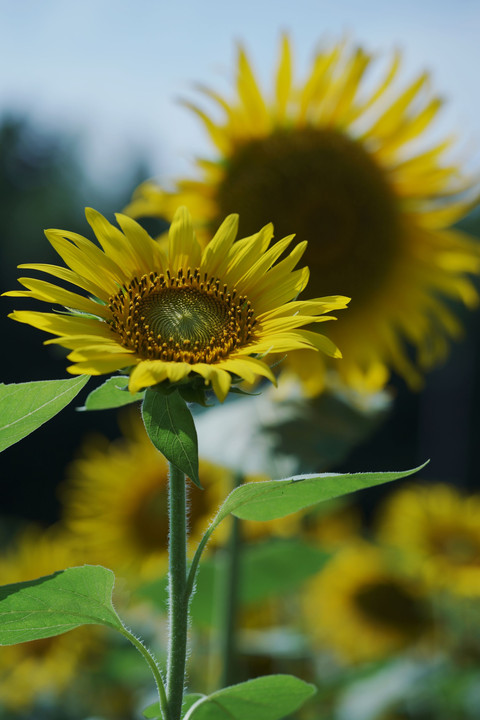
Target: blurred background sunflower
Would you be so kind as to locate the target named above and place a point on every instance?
(353, 169)
(438, 530)
(362, 608)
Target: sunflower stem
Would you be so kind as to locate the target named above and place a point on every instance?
(177, 596)
(152, 663)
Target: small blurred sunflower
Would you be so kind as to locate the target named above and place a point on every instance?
(41, 668)
(361, 608)
(438, 530)
(347, 165)
(206, 316)
(115, 502)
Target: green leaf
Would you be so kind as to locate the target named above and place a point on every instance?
(112, 394)
(273, 499)
(266, 698)
(170, 427)
(54, 604)
(153, 712)
(24, 407)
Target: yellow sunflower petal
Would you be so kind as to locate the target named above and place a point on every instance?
(100, 349)
(218, 136)
(275, 294)
(284, 79)
(245, 252)
(220, 380)
(85, 258)
(147, 373)
(69, 276)
(321, 305)
(321, 342)
(100, 365)
(184, 250)
(250, 95)
(264, 263)
(74, 342)
(218, 249)
(145, 246)
(248, 368)
(41, 290)
(61, 324)
(148, 194)
(112, 240)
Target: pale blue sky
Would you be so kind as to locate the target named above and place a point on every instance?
(111, 70)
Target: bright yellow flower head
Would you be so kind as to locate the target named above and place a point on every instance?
(206, 313)
(348, 166)
(42, 667)
(360, 607)
(438, 530)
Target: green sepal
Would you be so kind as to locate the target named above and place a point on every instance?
(194, 393)
(266, 698)
(170, 427)
(57, 603)
(24, 407)
(238, 391)
(112, 394)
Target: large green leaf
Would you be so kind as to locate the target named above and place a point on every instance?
(273, 499)
(57, 603)
(266, 698)
(112, 394)
(171, 429)
(24, 407)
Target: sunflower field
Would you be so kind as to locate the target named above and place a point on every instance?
(239, 409)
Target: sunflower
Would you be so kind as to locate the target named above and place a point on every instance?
(438, 530)
(347, 164)
(115, 502)
(41, 668)
(362, 609)
(208, 313)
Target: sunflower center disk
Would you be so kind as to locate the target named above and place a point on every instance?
(328, 190)
(188, 318)
(389, 605)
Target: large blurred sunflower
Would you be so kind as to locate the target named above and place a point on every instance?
(115, 502)
(346, 163)
(361, 608)
(438, 530)
(191, 313)
(41, 668)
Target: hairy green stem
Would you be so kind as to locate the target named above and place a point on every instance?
(153, 667)
(177, 595)
(195, 562)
